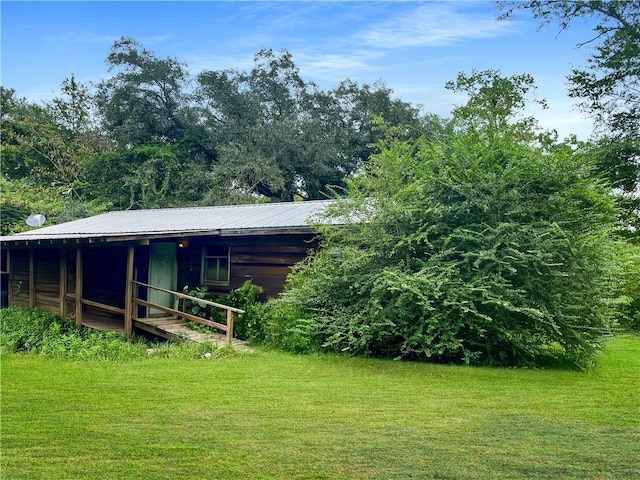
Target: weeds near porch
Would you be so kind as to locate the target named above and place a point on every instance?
(37, 332)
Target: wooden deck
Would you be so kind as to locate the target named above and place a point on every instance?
(177, 330)
(171, 324)
(170, 328)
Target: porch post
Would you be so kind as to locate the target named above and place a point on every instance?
(63, 283)
(128, 301)
(79, 286)
(230, 315)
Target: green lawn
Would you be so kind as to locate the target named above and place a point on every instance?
(278, 416)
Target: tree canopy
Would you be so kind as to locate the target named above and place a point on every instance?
(282, 137)
(151, 134)
(607, 89)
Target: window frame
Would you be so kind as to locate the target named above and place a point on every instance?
(206, 258)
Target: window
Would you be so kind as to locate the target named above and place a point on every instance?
(215, 265)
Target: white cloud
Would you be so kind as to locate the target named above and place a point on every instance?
(334, 66)
(435, 24)
(201, 62)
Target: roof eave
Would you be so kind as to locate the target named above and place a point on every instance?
(145, 238)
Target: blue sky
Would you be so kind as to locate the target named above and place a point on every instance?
(413, 46)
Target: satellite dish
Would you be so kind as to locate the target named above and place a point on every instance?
(36, 220)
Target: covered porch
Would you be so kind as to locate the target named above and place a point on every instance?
(101, 288)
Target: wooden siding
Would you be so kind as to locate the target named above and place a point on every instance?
(46, 269)
(4, 277)
(71, 270)
(19, 281)
(101, 280)
(266, 260)
(47, 277)
(70, 298)
(43, 267)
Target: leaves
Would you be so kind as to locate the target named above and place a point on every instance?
(608, 88)
(152, 135)
(473, 246)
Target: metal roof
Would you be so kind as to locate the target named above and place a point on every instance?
(178, 221)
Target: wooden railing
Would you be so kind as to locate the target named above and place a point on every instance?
(182, 298)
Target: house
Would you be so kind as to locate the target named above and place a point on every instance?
(116, 269)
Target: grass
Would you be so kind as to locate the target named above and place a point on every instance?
(272, 415)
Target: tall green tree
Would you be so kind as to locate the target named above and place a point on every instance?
(145, 137)
(608, 88)
(44, 152)
(72, 108)
(37, 147)
(496, 105)
(271, 139)
(163, 154)
(280, 136)
(17, 120)
(474, 245)
(146, 99)
(360, 112)
(153, 175)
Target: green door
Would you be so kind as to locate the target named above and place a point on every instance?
(163, 273)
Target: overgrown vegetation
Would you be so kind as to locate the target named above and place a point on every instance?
(152, 135)
(247, 326)
(487, 244)
(26, 330)
(607, 88)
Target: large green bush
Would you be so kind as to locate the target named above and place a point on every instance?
(481, 246)
(247, 326)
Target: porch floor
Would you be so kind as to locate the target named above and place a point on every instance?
(104, 324)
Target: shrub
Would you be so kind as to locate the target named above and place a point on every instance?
(25, 329)
(476, 247)
(285, 327)
(36, 331)
(247, 326)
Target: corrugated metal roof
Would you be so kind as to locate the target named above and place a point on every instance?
(182, 220)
